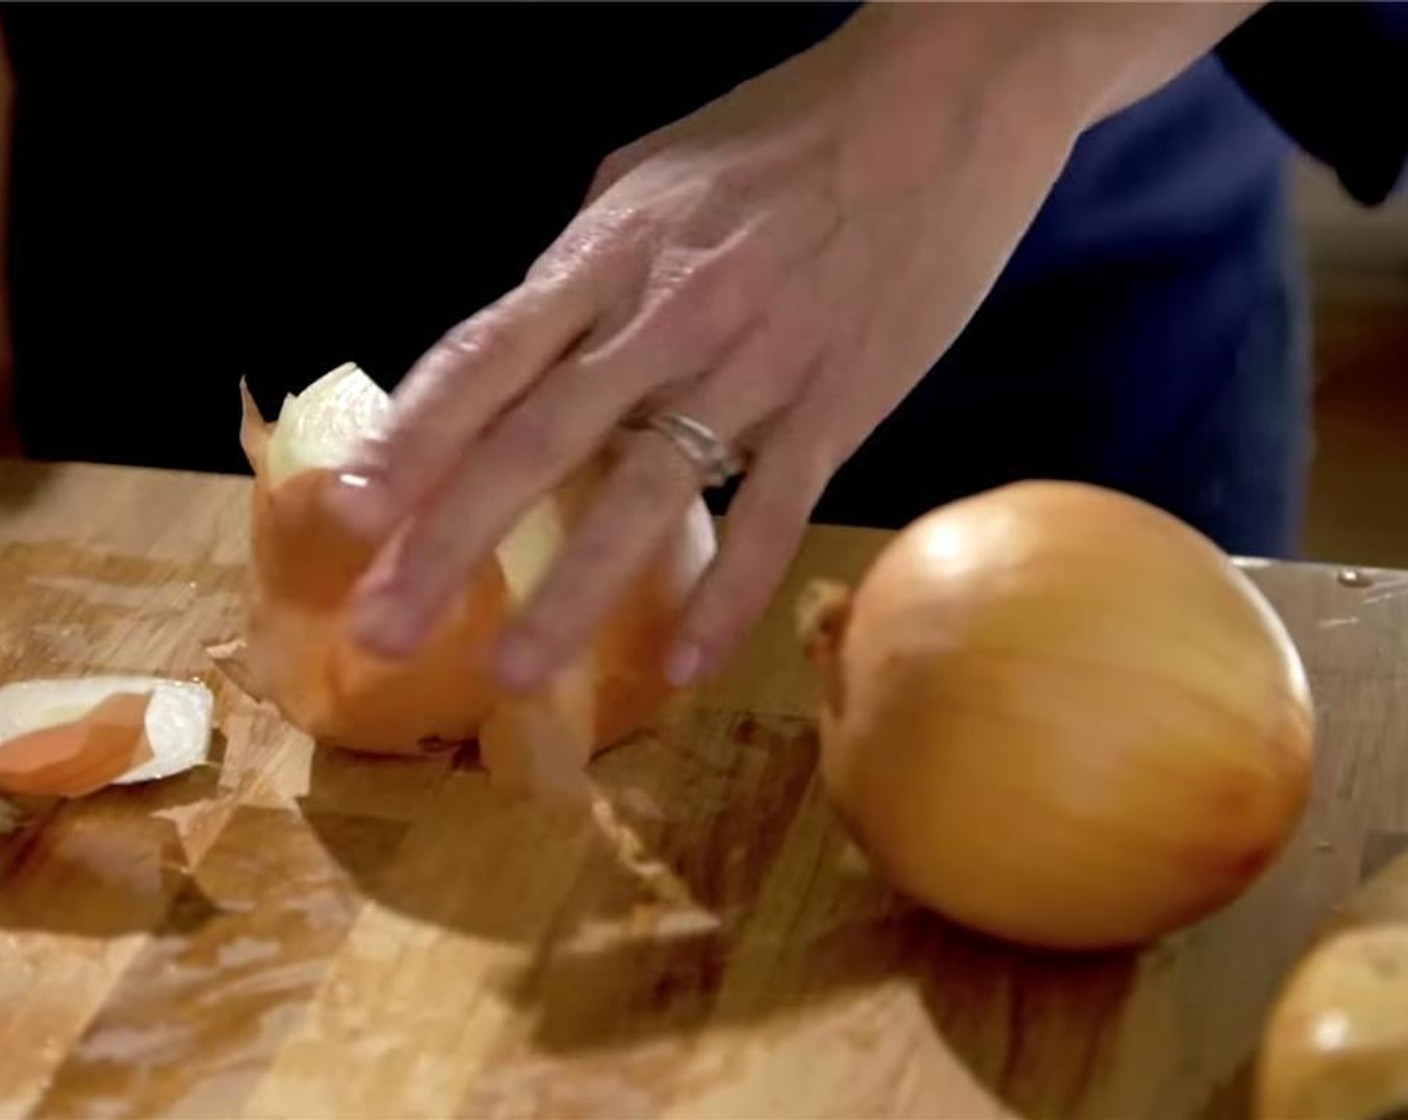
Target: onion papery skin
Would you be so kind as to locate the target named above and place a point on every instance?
(1060, 716)
(81, 755)
(299, 655)
(303, 659)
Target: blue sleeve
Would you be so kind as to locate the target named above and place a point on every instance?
(1334, 77)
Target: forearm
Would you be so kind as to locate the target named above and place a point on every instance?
(1105, 57)
(1042, 72)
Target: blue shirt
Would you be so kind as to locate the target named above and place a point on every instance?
(1150, 332)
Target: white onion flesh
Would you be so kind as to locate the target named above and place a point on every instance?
(179, 719)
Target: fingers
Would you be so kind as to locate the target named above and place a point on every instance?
(623, 161)
(648, 494)
(645, 499)
(480, 432)
(698, 302)
(523, 456)
(694, 304)
(567, 416)
(452, 393)
(765, 526)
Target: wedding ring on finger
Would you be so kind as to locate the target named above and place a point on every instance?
(711, 456)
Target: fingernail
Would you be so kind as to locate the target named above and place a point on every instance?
(683, 665)
(360, 504)
(519, 663)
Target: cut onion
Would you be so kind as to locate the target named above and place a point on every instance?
(71, 736)
(299, 655)
(1060, 716)
(1336, 1043)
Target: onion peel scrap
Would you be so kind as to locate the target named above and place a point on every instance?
(69, 736)
(82, 755)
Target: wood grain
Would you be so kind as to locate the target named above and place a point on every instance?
(294, 932)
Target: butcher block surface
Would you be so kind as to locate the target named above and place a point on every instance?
(295, 932)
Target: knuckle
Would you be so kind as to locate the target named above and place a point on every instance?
(625, 159)
(494, 342)
(578, 245)
(485, 337)
(613, 167)
(720, 213)
(629, 225)
(692, 278)
(694, 311)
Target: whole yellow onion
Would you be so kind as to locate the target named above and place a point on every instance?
(1061, 716)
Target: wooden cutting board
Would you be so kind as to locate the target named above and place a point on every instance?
(300, 933)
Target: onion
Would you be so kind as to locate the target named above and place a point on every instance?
(68, 737)
(1336, 1043)
(1060, 716)
(299, 656)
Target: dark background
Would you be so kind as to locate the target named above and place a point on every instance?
(204, 192)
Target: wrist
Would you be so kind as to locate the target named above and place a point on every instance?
(1039, 73)
(1101, 58)
(931, 86)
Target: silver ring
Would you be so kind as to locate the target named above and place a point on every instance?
(710, 455)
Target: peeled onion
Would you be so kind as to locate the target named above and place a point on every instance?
(1060, 716)
(299, 655)
(1336, 1043)
(68, 737)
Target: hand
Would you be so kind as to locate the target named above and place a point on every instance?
(783, 266)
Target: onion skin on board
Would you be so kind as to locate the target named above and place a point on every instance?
(1335, 1045)
(81, 755)
(70, 736)
(298, 654)
(1060, 716)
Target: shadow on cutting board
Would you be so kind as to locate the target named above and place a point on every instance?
(709, 823)
(801, 922)
(748, 906)
(105, 866)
